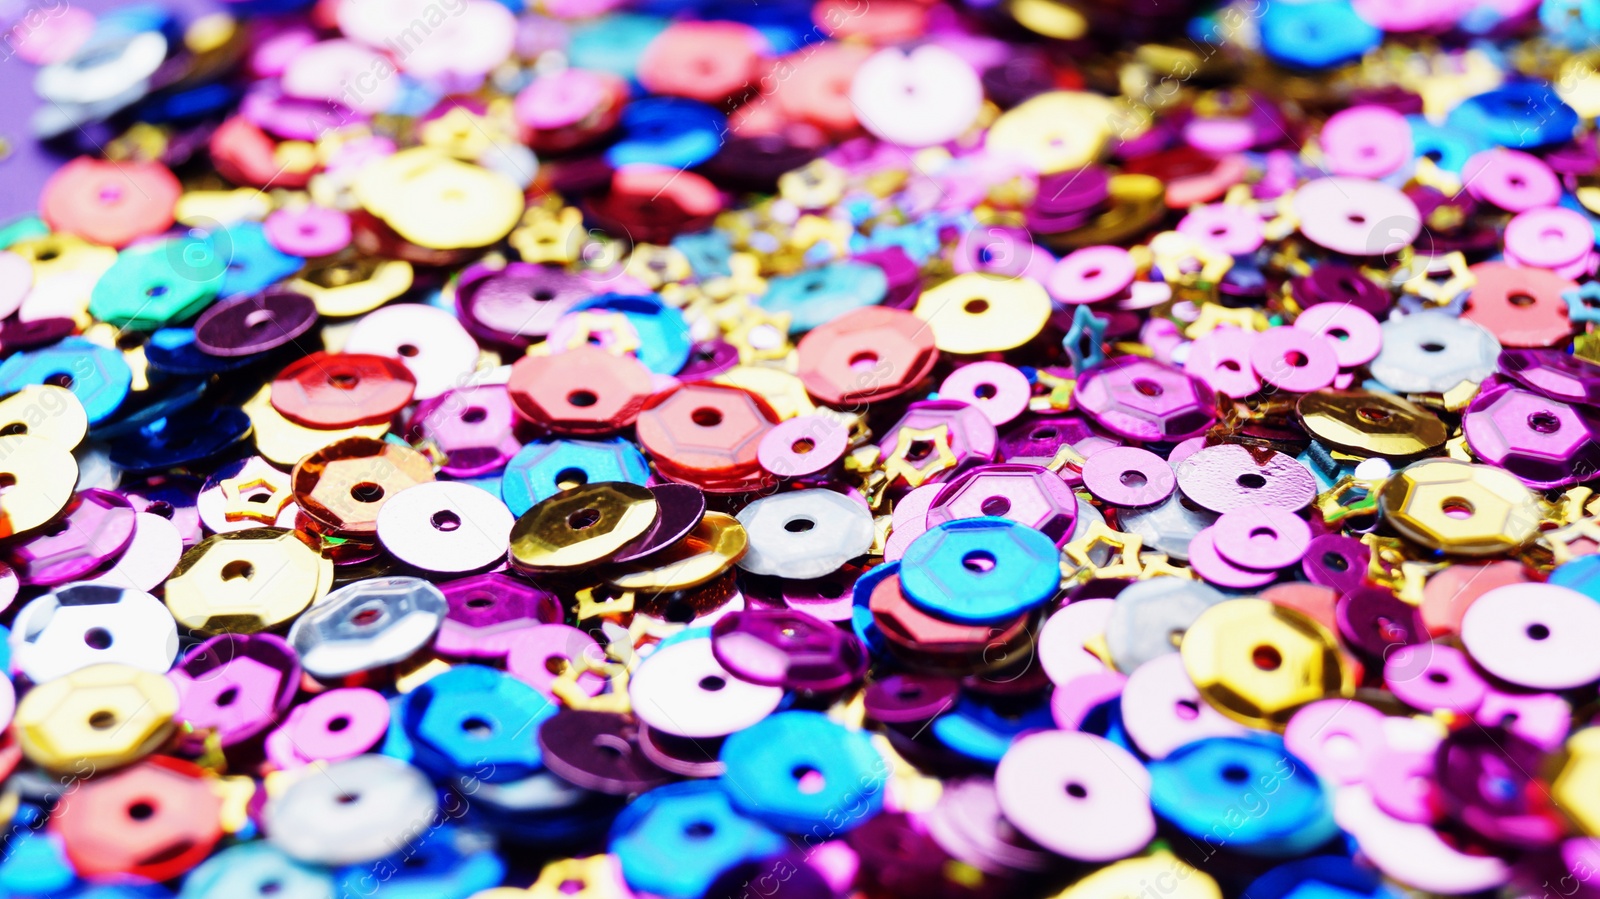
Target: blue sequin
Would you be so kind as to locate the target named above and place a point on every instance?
(476, 720)
(186, 436)
(174, 352)
(1574, 23)
(248, 869)
(537, 470)
(675, 840)
(98, 376)
(817, 296)
(708, 253)
(1246, 794)
(669, 131)
(1083, 340)
(980, 570)
(254, 263)
(979, 732)
(664, 342)
(802, 772)
(1321, 877)
(443, 862)
(1522, 115)
(1449, 148)
(1316, 35)
(613, 43)
(35, 864)
(1581, 574)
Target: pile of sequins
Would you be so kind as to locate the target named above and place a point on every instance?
(850, 449)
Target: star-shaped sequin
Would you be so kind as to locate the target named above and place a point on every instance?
(1583, 304)
(257, 492)
(1083, 340)
(1127, 562)
(930, 446)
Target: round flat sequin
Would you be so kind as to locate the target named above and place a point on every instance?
(1162, 710)
(1207, 561)
(445, 526)
(1430, 352)
(803, 445)
(1227, 477)
(1261, 537)
(980, 569)
(254, 324)
(1076, 794)
(1002, 392)
(1356, 337)
(1128, 476)
(1293, 359)
(804, 535)
(1357, 217)
(689, 694)
(430, 343)
(1531, 634)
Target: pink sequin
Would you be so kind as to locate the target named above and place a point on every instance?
(1090, 275)
(1513, 180)
(1222, 359)
(1366, 141)
(1352, 332)
(1209, 564)
(1234, 230)
(308, 231)
(803, 445)
(1294, 360)
(1549, 237)
(336, 725)
(1000, 391)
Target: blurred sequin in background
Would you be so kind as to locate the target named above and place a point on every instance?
(861, 449)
